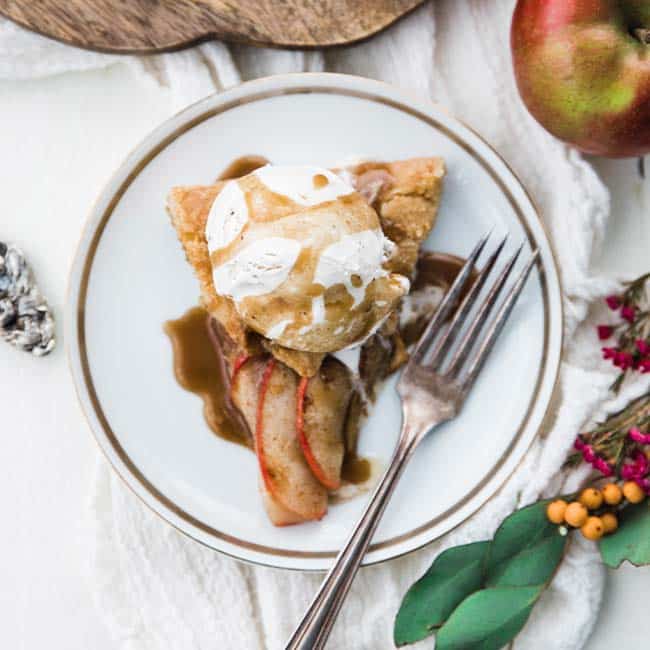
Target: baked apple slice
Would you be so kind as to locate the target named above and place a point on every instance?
(277, 513)
(245, 385)
(247, 375)
(323, 402)
(285, 472)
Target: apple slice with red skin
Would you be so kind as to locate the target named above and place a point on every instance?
(238, 363)
(323, 402)
(286, 474)
(245, 387)
(278, 514)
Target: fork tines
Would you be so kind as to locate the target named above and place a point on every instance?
(432, 353)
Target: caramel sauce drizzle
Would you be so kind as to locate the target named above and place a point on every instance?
(242, 167)
(320, 180)
(355, 470)
(200, 368)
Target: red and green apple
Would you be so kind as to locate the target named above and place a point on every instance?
(583, 71)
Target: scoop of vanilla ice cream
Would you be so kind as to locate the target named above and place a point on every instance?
(302, 255)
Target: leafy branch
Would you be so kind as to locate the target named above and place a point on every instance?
(479, 596)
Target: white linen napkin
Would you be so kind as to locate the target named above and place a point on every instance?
(157, 589)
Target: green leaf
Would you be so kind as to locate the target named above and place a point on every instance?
(488, 619)
(455, 574)
(631, 541)
(531, 566)
(526, 549)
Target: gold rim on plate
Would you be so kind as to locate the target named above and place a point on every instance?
(78, 346)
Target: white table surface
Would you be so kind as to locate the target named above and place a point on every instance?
(60, 139)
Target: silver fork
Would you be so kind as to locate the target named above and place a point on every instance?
(432, 392)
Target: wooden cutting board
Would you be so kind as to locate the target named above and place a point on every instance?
(144, 26)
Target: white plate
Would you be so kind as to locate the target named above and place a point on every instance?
(130, 276)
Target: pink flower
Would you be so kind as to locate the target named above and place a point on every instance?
(637, 436)
(644, 365)
(578, 445)
(636, 470)
(610, 353)
(613, 302)
(627, 313)
(588, 454)
(628, 472)
(603, 466)
(642, 346)
(644, 484)
(623, 360)
(604, 332)
(641, 463)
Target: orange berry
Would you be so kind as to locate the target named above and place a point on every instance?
(612, 494)
(591, 498)
(576, 514)
(633, 492)
(555, 511)
(593, 528)
(610, 522)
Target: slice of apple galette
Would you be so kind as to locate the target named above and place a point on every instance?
(303, 271)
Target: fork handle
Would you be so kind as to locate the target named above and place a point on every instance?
(314, 629)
